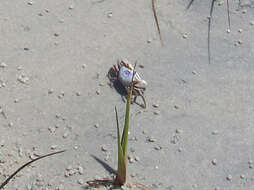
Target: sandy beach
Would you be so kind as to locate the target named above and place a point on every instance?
(197, 132)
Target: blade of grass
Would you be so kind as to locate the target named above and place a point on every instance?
(121, 170)
(25, 165)
(190, 3)
(228, 14)
(209, 30)
(123, 144)
(156, 20)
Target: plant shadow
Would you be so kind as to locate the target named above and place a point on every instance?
(107, 167)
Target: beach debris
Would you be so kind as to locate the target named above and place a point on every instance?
(80, 181)
(242, 176)
(23, 79)
(53, 147)
(250, 162)
(110, 14)
(2, 84)
(185, 36)
(50, 91)
(156, 112)
(3, 65)
(123, 72)
(2, 113)
(104, 148)
(229, 177)
(98, 92)
(240, 30)
(214, 162)
(96, 125)
(151, 139)
(215, 132)
(155, 105)
(157, 147)
(156, 21)
(10, 124)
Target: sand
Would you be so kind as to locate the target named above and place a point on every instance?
(55, 93)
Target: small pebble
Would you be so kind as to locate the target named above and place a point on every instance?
(149, 41)
(252, 23)
(110, 14)
(65, 135)
(53, 147)
(217, 188)
(50, 91)
(71, 7)
(56, 34)
(229, 177)
(195, 186)
(104, 148)
(19, 68)
(250, 162)
(26, 49)
(30, 3)
(156, 112)
(60, 187)
(155, 105)
(242, 176)
(141, 66)
(185, 36)
(228, 30)
(240, 42)
(83, 66)
(23, 79)
(180, 149)
(75, 147)
(244, 11)
(220, 3)
(151, 139)
(240, 30)
(2, 143)
(179, 131)
(97, 92)
(16, 100)
(10, 124)
(96, 125)
(214, 162)
(215, 132)
(157, 147)
(80, 181)
(176, 107)
(3, 65)
(80, 170)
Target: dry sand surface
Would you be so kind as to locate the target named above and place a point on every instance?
(54, 57)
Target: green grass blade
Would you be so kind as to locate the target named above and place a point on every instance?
(121, 170)
(124, 141)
